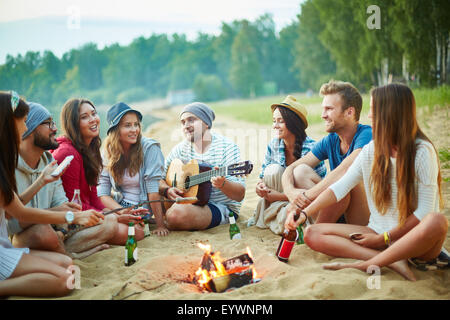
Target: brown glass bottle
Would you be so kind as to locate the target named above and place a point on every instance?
(287, 241)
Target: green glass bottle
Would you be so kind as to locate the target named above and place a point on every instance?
(131, 250)
(300, 234)
(235, 233)
(146, 220)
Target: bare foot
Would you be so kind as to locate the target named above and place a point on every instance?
(403, 269)
(341, 265)
(400, 267)
(87, 253)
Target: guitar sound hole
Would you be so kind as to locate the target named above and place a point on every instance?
(186, 183)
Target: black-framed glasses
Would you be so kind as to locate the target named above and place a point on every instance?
(51, 124)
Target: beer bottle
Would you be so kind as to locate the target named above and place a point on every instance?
(146, 219)
(300, 234)
(235, 233)
(287, 241)
(76, 197)
(131, 251)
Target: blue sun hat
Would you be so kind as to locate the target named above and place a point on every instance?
(116, 112)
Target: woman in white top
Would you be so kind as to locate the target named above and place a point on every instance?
(401, 176)
(23, 271)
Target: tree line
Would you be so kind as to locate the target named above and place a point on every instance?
(329, 39)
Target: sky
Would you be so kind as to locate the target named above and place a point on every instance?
(61, 25)
(201, 11)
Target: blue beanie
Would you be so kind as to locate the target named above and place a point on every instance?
(201, 111)
(36, 116)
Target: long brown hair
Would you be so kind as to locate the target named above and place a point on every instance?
(395, 126)
(117, 161)
(10, 141)
(70, 123)
(297, 127)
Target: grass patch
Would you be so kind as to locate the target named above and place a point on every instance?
(258, 110)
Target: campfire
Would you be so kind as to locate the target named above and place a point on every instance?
(216, 275)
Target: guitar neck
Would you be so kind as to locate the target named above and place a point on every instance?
(205, 176)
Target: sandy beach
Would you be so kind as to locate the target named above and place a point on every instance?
(166, 264)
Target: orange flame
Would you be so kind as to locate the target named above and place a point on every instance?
(204, 276)
(254, 273)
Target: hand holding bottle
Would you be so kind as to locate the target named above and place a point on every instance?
(291, 223)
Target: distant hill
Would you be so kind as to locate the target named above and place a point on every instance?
(59, 35)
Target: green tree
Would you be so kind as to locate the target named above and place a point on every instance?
(209, 88)
(245, 73)
(312, 60)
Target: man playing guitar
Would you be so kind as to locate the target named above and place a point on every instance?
(227, 192)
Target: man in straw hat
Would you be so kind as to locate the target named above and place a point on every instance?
(342, 104)
(218, 151)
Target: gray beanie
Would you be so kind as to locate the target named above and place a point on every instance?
(202, 111)
(36, 116)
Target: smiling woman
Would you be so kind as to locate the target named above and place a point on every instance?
(133, 168)
(81, 129)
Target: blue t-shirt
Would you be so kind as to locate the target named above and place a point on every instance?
(330, 146)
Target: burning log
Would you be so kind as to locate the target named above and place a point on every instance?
(216, 275)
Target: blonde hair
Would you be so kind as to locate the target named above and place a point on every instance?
(117, 161)
(349, 94)
(395, 125)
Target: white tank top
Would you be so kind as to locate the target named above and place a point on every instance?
(131, 188)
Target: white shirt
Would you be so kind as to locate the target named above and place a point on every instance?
(131, 187)
(426, 170)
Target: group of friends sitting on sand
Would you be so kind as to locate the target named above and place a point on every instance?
(379, 204)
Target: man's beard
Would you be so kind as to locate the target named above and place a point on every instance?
(45, 143)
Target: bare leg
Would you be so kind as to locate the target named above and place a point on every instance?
(92, 237)
(333, 240)
(39, 237)
(358, 212)
(305, 177)
(188, 217)
(354, 205)
(121, 235)
(36, 276)
(59, 259)
(424, 241)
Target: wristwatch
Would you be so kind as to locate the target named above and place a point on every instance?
(69, 217)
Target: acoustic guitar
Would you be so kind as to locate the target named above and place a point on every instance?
(194, 177)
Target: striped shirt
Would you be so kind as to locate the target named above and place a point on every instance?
(275, 154)
(221, 152)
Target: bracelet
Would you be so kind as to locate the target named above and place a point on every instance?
(306, 216)
(165, 191)
(223, 183)
(387, 238)
(304, 194)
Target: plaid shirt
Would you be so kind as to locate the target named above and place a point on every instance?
(275, 154)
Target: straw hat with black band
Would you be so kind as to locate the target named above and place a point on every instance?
(292, 104)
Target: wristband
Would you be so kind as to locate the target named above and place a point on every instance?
(304, 194)
(165, 192)
(306, 216)
(387, 238)
(223, 183)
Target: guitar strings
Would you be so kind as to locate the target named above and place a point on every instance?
(205, 176)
